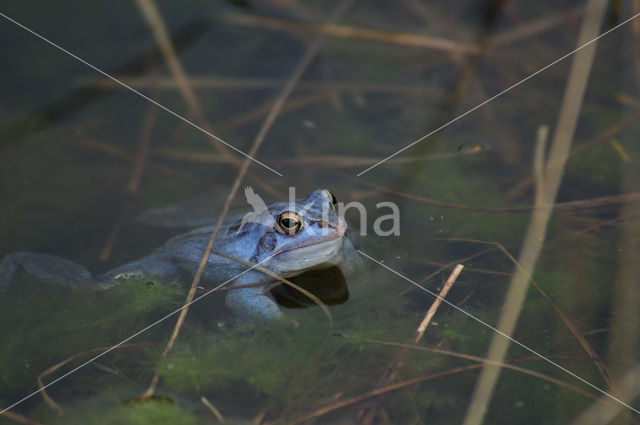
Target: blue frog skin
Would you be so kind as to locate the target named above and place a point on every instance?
(286, 238)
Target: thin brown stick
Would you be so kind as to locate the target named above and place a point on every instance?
(150, 11)
(536, 232)
(19, 418)
(239, 83)
(258, 420)
(506, 365)
(367, 416)
(568, 323)
(417, 336)
(611, 222)
(297, 73)
(139, 165)
(142, 155)
(335, 98)
(343, 31)
(47, 399)
(119, 153)
(326, 161)
(481, 361)
(453, 263)
(213, 409)
(373, 393)
(602, 403)
(521, 187)
(105, 253)
(468, 269)
(158, 28)
(627, 99)
(596, 414)
(559, 206)
(259, 112)
(531, 29)
(392, 387)
(607, 134)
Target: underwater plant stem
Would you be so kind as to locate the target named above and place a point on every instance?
(151, 13)
(568, 323)
(597, 414)
(417, 336)
(531, 29)
(399, 385)
(324, 161)
(278, 104)
(98, 145)
(19, 418)
(558, 206)
(603, 401)
(375, 392)
(538, 164)
(213, 82)
(506, 365)
(536, 232)
(247, 117)
(351, 32)
(624, 327)
(68, 360)
(142, 155)
(367, 416)
(213, 409)
(457, 261)
(139, 166)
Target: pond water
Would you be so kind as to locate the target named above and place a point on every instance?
(81, 157)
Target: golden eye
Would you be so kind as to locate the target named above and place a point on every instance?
(290, 223)
(332, 198)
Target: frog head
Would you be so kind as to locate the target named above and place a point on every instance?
(299, 235)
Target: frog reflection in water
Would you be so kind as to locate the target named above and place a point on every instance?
(287, 238)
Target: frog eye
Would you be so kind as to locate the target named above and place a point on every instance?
(290, 223)
(332, 198)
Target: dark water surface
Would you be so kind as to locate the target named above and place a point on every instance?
(386, 75)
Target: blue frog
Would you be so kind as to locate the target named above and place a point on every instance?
(287, 238)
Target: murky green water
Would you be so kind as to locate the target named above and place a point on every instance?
(69, 139)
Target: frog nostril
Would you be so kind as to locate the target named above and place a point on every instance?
(322, 224)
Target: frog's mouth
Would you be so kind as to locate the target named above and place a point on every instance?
(304, 257)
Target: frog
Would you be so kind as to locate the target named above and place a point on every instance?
(288, 238)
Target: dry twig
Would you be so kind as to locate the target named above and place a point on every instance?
(19, 418)
(417, 336)
(536, 233)
(368, 415)
(213, 409)
(139, 166)
(161, 35)
(321, 411)
(558, 206)
(66, 361)
(350, 32)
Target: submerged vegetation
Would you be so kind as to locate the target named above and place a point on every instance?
(85, 158)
